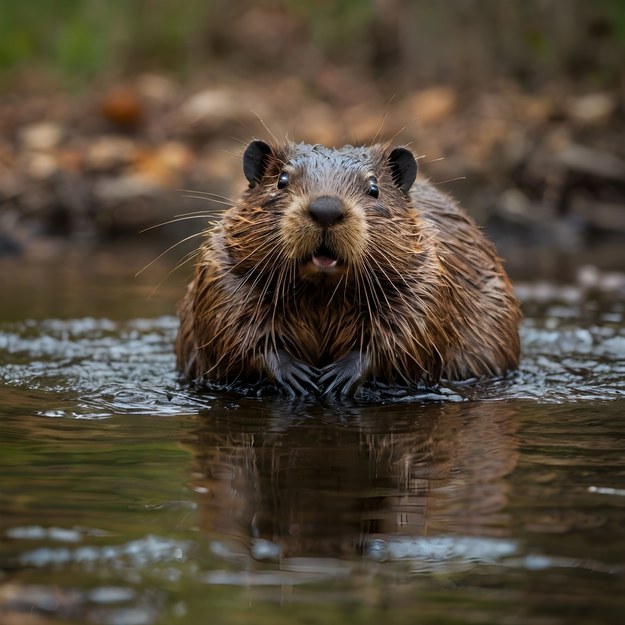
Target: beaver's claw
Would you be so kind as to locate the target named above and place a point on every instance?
(343, 377)
(292, 376)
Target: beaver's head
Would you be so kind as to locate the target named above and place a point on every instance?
(313, 212)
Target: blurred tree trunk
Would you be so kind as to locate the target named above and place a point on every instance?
(468, 42)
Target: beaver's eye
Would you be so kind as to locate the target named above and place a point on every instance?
(283, 180)
(372, 188)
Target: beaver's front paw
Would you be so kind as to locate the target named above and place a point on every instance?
(343, 377)
(293, 377)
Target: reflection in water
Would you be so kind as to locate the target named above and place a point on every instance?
(315, 487)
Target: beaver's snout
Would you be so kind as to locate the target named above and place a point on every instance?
(327, 210)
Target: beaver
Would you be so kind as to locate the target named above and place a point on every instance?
(336, 269)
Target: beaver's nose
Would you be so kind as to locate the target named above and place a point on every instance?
(326, 210)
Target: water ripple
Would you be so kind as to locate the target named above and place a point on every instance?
(96, 367)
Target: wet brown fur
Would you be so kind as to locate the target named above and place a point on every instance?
(420, 294)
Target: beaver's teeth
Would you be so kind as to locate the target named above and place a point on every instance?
(323, 261)
(324, 257)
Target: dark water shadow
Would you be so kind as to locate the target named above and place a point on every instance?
(278, 481)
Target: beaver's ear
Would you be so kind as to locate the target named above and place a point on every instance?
(255, 161)
(403, 168)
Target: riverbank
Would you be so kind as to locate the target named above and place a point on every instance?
(535, 169)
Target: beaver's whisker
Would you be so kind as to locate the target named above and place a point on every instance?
(264, 288)
(261, 237)
(377, 280)
(257, 272)
(432, 160)
(208, 194)
(172, 221)
(346, 283)
(387, 145)
(247, 296)
(358, 279)
(367, 291)
(276, 299)
(185, 259)
(259, 243)
(389, 260)
(256, 314)
(206, 212)
(390, 282)
(260, 119)
(338, 284)
(378, 133)
(203, 213)
(207, 199)
(257, 269)
(281, 293)
(266, 243)
(439, 182)
(171, 247)
(235, 302)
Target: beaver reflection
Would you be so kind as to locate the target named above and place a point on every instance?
(322, 488)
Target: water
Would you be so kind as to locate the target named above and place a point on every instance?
(128, 499)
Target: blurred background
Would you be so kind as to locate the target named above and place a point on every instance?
(109, 109)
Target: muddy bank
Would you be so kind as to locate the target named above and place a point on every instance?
(543, 169)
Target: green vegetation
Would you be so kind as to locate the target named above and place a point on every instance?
(77, 39)
(406, 39)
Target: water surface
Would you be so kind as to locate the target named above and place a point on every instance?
(127, 498)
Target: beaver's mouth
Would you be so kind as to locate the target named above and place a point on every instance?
(324, 258)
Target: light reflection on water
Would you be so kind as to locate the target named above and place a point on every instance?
(127, 498)
(129, 367)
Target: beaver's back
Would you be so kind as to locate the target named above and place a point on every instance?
(483, 308)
